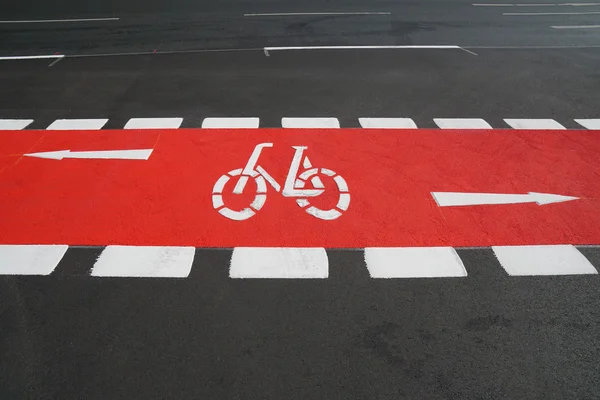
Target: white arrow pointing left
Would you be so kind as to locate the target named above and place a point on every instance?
(141, 154)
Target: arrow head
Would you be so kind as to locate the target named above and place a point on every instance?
(53, 155)
(546, 198)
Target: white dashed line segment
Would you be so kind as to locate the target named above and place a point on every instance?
(30, 259)
(387, 123)
(413, 262)
(279, 263)
(534, 124)
(310, 122)
(153, 123)
(543, 260)
(77, 124)
(14, 124)
(589, 123)
(462, 123)
(231, 123)
(144, 262)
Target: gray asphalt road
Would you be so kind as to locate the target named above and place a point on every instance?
(485, 336)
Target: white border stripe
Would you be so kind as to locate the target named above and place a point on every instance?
(30, 259)
(533, 124)
(575, 26)
(589, 123)
(153, 123)
(144, 262)
(462, 123)
(231, 123)
(326, 122)
(317, 13)
(14, 124)
(543, 260)
(42, 57)
(413, 262)
(279, 263)
(439, 47)
(387, 123)
(77, 124)
(45, 21)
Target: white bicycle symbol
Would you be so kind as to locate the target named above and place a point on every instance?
(293, 187)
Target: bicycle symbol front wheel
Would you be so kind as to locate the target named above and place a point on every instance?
(344, 196)
(248, 212)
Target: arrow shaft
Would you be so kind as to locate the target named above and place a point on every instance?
(142, 154)
(447, 199)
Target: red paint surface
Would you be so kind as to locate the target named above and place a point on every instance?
(167, 199)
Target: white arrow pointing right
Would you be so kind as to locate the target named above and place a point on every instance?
(449, 199)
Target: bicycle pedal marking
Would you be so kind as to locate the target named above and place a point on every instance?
(294, 186)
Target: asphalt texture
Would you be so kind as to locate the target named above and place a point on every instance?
(485, 336)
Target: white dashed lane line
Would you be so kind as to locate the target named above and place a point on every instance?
(14, 124)
(533, 124)
(279, 263)
(387, 123)
(153, 123)
(30, 259)
(543, 260)
(231, 123)
(462, 123)
(589, 123)
(287, 122)
(413, 262)
(77, 124)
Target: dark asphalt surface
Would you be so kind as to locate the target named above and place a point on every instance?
(486, 336)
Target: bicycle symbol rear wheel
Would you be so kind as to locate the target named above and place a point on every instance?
(248, 212)
(343, 200)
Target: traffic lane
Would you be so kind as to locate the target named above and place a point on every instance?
(407, 24)
(420, 84)
(345, 337)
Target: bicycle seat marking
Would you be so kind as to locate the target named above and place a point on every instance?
(294, 186)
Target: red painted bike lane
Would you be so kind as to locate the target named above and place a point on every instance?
(167, 200)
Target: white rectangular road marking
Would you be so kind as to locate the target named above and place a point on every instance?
(45, 21)
(77, 124)
(589, 123)
(576, 26)
(40, 57)
(548, 13)
(144, 262)
(279, 263)
(231, 123)
(413, 262)
(30, 259)
(543, 260)
(14, 124)
(310, 122)
(462, 123)
(533, 124)
(387, 123)
(398, 47)
(316, 13)
(154, 123)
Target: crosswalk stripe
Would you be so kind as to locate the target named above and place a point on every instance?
(462, 123)
(589, 123)
(279, 263)
(77, 124)
(413, 262)
(387, 123)
(30, 259)
(14, 124)
(543, 260)
(326, 122)
(231, 123)
(144, 262)
(154, 123)
(533, 124)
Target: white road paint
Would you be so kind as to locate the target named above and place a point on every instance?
(589, 123)
(535, 4)
(30, 259)
(138, 154)
(145, 262)
(40, 57)
(543, 260)
(231, 123)
(462, 123)
(387, 123)
(77, 124)
(279, 263)
(46, 21)
(439, 47)
(14, 124)
(316, 13)
(154, 123)
(413, 262)
(576, 26)
(543, 13)
(310, 122)
(533, 124)
(455, 199)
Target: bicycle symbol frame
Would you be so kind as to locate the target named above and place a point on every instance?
(293, 186)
